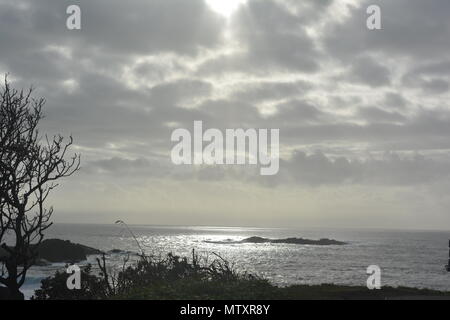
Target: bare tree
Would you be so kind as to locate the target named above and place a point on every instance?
(30, 165)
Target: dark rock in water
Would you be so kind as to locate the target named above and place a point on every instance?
(119, 251)
(321, 242)
(255, 240)
(42, 263)
(116, 251)
(56, 250)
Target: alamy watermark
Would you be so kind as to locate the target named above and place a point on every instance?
(374, 279)
(73, 21)
(236, 146)
(73, 281)
(373, 21)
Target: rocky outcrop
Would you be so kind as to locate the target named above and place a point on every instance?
(56, 250)
(321, 242)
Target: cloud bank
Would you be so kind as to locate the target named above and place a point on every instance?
(356, 109)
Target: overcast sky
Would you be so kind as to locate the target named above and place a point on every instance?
(364, 116)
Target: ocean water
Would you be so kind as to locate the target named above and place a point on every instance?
(406, 258)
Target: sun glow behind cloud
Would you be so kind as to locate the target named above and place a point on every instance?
(225, 7)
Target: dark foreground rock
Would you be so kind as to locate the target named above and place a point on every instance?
(321, 242)
(56, 250)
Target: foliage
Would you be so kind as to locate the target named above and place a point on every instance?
(164, 277)
(181, 278)
(55, 288)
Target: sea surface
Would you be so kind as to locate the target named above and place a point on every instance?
(406, 258)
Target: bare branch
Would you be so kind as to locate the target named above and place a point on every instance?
(29, 168)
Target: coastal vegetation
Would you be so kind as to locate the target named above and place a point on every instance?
(199, 278)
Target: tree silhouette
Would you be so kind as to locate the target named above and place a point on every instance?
(30, 165)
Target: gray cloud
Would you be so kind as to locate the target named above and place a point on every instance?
(354, 107)
(432, 78)
(411, 28)
(377, 115)
(390, 169)
(366, 70)
(262, 91)
(273, 37)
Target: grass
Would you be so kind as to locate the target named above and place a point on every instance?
(262, 290)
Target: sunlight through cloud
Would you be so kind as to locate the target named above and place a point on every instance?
(225, 7)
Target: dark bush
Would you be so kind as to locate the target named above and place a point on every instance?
(55, 288)
(172, 277)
